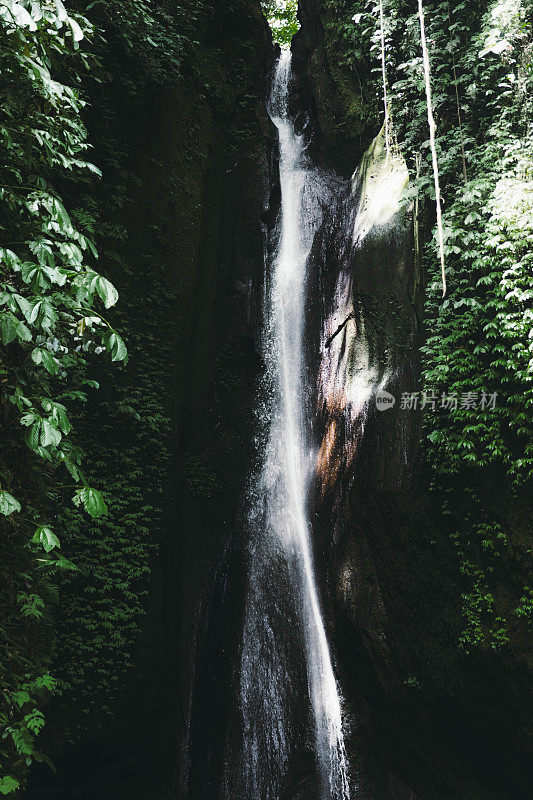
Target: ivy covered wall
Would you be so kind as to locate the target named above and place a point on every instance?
(477, 337)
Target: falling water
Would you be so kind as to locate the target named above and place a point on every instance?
(282, 487)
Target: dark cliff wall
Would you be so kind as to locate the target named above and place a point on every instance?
(341, 98)
(229, 169)
(204, 556)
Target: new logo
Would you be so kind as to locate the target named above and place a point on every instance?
(384, 400)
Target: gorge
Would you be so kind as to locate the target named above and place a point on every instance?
(312, 577)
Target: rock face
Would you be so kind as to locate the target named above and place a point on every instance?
(426, 722)
(364, 296)
(342, 101)
(204, 555)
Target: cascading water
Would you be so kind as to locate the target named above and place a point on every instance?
(280, 499)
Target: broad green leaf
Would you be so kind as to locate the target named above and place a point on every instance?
(45, 536)
(71, 466)
(44, 357)
(20, 16)
(8, 785)
(116, 346)
(77, 32)
(12, 328)
(58, 413)
(61, 212)
(35, 311)
(8, 504)
(50, 363)
(63, 419)
(50, 435)
(61, 10)
(119, 350)
(10, 258)
(20, 698)
(33, 436)
(25, 306)
(8, 327)
(23, 333)
(106, 291)
(29, 271)
(92, 500)
(55, 275)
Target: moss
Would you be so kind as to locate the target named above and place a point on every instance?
(340, 80)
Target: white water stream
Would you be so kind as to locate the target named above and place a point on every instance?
(284, 482)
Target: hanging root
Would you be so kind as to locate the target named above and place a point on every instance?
(384, 74)
(431, 121)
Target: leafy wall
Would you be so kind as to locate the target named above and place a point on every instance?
(162, 83)
(478, 336)
(53, 325)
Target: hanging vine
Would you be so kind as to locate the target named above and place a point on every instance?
(431, 121)
(384, 77)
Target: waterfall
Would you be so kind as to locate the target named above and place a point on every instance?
(280, 499)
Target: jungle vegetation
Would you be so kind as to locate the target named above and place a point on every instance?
(76, 519)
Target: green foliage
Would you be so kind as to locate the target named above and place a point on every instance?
(50, 326)
(8, 504)
(124, 429)
(8, 784)
(103, 605)
(348, 105)
(479, 337)
(282, 16)
(525, 606)
(351, 28)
